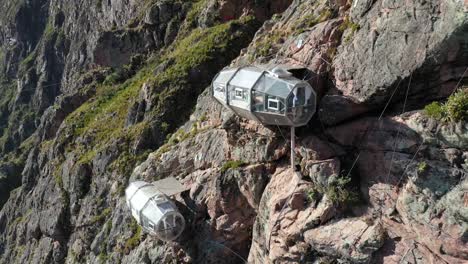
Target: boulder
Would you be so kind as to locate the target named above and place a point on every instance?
(350, 239)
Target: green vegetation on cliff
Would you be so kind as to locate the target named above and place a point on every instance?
(455, 109)
(337, 190)
(134, 240)
(7, 93)
(232, 164)
(184, 69)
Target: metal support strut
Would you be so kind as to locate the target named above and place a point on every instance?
(293, 146)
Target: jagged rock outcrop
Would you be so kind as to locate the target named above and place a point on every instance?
(46, 46)
(408, 179)
(423, 40)
(96, 94)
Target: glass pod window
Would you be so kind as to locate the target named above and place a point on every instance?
(239, 97)
(275, 104)
(258, 101)
(273, 86)
(219, 91)
(218, 87)
(300, 104)
(240, 94)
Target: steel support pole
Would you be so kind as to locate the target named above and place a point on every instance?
(293, 146)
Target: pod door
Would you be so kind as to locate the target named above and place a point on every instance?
(301, 104)
(170, 227)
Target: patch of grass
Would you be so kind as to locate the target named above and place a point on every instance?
(457, 106)
(45, 145)
(165, 126)
(313, 19)
(455, 109)
(163, 149)
(125, 72)
(60, 40)
(58, 177)
(109, 107)
(325, 15)
(435, 110)
(348, 24)
(16, 160)
(192, 17)
(313, 14)
(21, 219)
(65, 197)
(108, 226)
(422, 167)
(331, 52)
(121, 190)
(2, 60)
(27, 63)
(232, 164)
(7, 94)
(204, 117)
(19, 252)
(355, 27)
(312, 195)
(103, 257)
(121, 164)
(18, 220)
(181, 135)
(338, 191)
(21, 115)
(307, 21)
(88, 156)
(265, 46)
(134, 240)
(178, 137)
(102, 216)
(114, 77)
(48, 30)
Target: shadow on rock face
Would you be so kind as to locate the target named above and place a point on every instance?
(410, 173)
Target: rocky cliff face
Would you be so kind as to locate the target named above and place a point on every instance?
(96, 94)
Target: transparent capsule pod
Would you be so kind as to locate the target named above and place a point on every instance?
(154, 211)
(271, 96)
